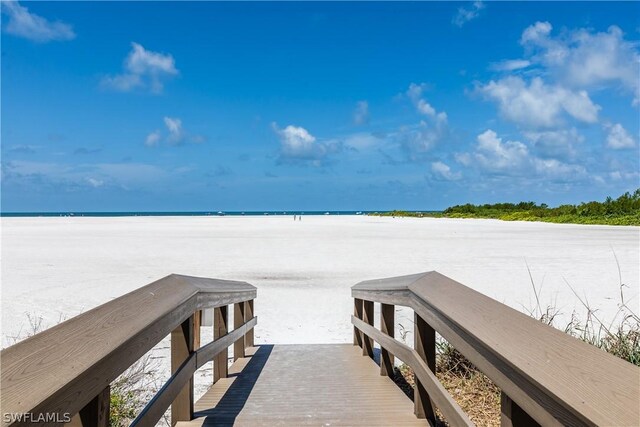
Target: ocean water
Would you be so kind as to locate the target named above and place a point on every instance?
(198, 213)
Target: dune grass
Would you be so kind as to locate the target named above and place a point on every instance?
(479, 397)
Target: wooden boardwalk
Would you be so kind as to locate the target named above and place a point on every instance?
(292, 385)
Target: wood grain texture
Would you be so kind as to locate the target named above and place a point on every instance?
(183, 340)
(63, 368)
(424, 344)
(555, 378)
(305, 385)
(439, 395)
(387, 326)
(248, 315)
(220, 328)
(367, 317)
(357, 311)
(182, 376)
(210, 351)
(238, 321)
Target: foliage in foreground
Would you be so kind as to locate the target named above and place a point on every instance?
(625, 210)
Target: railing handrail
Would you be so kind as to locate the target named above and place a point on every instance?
(61, 369)
(552, 376)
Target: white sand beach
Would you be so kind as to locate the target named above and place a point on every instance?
(59, 267)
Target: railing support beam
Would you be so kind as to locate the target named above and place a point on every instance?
(425, 346)
(511, 415)
(357, 312)
(248, 315)
(183, 340)
(238, 320)
(95, 413)
(367, 317)
(387, 326)
(220, 328)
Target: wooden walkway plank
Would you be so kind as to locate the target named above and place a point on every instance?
(292, 385)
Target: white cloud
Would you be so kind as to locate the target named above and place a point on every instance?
(153, 139)
(361, 113)
(95, 183)
(298, 145)
(442, 170)
(538, 105)
(174, 126)
(536, 33)
(466, 14)
(493, 154)
(85, 175)
(175, 134)
(513, 158)
(585, 59)
(22, 23)
(414, 93)
(363, 141)
(555, 169)
(618, 137)
(418, 141)
(556, 143)
(511, 65)
(143, 69)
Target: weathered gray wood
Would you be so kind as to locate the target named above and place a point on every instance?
(357, 311)
(305, 385)
(238, 320)
(248, 315)
(555, 378)
(197, 323)
(424, 344)
(511, 415)
(182, 347)
(367, 317)
(439, 395)
(155, 409)
(210, 351)
(96, 412)
(220, 328)
(38, 376)
(387, 326)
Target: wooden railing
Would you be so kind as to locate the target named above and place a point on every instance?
(65, 372)
(546, 376)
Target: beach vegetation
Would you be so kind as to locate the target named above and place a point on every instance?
(625, 210)
(479, 397)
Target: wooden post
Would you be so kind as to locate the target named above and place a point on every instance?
(367, 317)
(387, 326)
(182, 345)
(512, 415)
(357, 312)
(197, 323)
(248, 315)
(220, 328)
(238, 320)
(95, 413)
(425, 345)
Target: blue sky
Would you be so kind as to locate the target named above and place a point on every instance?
(117, 106)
